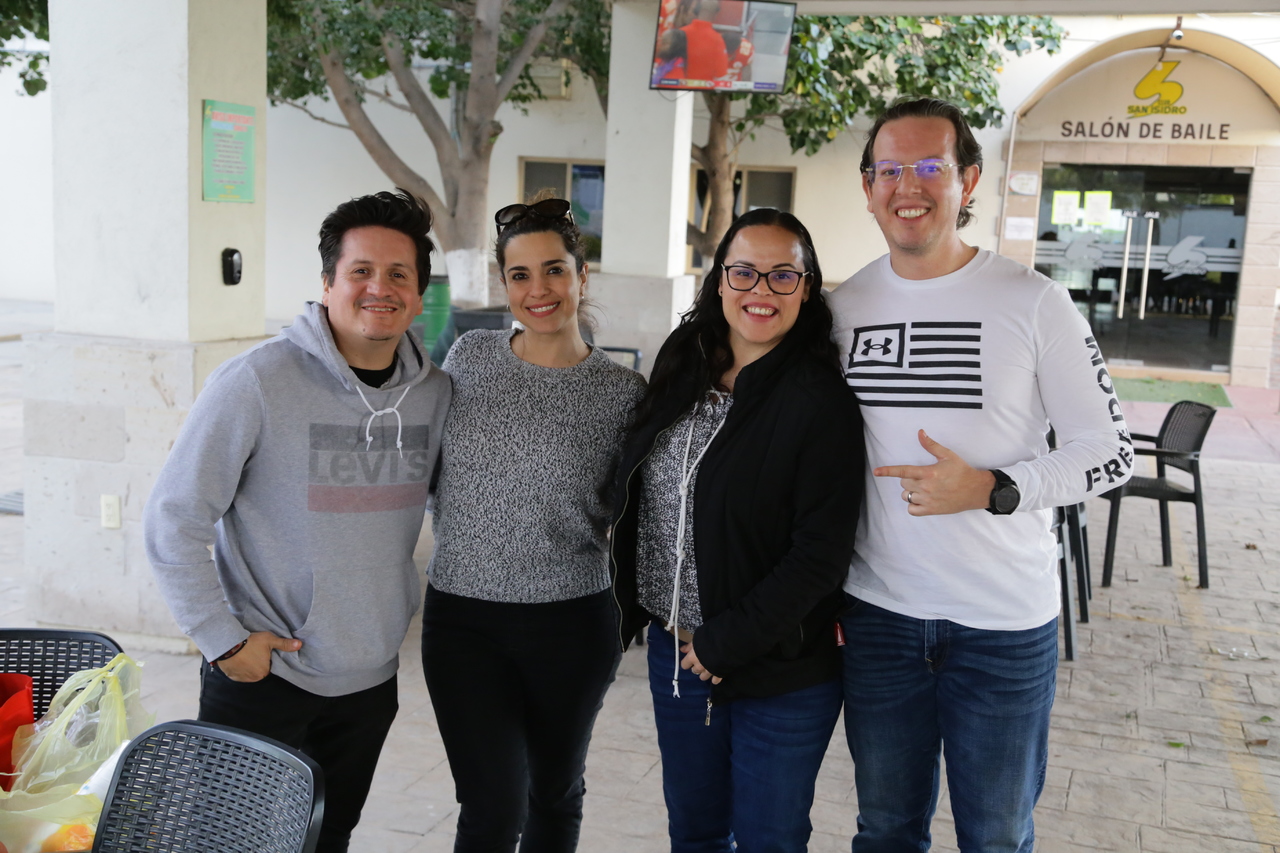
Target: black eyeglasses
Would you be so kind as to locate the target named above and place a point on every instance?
(549, 208)
(781, 282)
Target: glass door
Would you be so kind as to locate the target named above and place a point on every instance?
(1184, 229)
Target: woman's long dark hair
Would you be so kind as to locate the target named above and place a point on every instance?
(698, 353)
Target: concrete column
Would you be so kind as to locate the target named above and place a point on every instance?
(142, 314)
(643, 287)
(1254, 344)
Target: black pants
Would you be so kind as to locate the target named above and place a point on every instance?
(516, 689)
(343, 734)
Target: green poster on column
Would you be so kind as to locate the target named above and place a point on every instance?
(228, 151)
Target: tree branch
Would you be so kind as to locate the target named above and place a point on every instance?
(383, 96)
(321, 119)
(693, 235)
(531, 41)
(433, 124)
(699, 154)
(379, 149)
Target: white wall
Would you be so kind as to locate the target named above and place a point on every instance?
(313, 167)
(26, 174)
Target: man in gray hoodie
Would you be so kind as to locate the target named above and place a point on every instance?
(305, 464)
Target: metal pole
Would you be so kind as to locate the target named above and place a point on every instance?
(1152, 216)
(1129, 216)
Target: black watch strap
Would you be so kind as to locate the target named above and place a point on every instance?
(1005, 496)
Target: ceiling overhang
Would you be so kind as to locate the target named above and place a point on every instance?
(1030, 7)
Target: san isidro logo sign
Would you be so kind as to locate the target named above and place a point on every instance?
(1159, 118)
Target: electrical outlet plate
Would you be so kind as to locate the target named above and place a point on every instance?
(111, 512)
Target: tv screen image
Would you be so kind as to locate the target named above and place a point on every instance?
(734, 45)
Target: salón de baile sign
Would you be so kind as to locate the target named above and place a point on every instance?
(1145, 96)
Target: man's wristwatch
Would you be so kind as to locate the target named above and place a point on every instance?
(1005, 497)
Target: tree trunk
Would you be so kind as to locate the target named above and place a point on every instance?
(467, 259)
(461, 217)
(720, 162)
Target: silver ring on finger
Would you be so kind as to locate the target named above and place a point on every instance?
(910, 495)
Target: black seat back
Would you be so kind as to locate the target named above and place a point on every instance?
(50, 657)
(1184, 429)
(190, 787)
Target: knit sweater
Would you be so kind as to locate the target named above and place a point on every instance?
(673, 463)
(523, 504)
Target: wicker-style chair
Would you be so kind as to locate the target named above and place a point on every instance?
(1178, 445)
(191, 787)
(50, 657)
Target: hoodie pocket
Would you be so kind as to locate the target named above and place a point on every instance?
(358, 617)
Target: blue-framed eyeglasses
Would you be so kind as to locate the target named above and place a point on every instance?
(890, 171)
(781, 282)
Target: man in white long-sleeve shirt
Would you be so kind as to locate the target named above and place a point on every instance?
(962, 361)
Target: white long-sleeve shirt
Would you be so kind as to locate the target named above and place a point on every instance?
(985, 360)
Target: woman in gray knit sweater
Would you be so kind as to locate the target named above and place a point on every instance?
(519, 639)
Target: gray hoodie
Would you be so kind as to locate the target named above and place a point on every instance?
(310, 486)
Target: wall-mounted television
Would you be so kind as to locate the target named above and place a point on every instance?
(732, 45)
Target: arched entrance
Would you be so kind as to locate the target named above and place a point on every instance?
(1171, 149)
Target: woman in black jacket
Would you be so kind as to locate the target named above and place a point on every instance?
(739, 495)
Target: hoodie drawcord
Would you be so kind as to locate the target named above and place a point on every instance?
(393, 410)
(686, 478)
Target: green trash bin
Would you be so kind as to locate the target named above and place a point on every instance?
(435, 310)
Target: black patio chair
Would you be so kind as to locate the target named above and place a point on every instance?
(1178, 444)
(50, 657)
(626, 356)
(1068, 586)
(204, 788)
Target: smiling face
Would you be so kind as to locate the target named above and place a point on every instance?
(543, 283)
(918, 216)
(373, 296)
(759, 318)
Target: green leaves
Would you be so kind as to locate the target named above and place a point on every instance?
(840, 66)
(22, 19)
(434, 34)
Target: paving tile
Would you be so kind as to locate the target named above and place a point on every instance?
(1220, 823)
(1159, 840)
(1101, 794)
(1072, 832)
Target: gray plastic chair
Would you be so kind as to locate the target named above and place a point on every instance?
(50, 657)
(191, 787)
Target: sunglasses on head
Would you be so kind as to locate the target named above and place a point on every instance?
(550, 208)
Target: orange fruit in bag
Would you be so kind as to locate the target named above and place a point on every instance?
(73, 836)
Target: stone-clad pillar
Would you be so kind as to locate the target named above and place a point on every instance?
(142, 313)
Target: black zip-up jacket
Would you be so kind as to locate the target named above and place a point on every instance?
(775, 510)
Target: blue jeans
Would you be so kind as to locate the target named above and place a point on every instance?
(748, 776)
(914, 687)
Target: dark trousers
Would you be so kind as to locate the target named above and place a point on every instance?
(516, 689)
(343, 734)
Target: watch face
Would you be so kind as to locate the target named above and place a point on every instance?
(1006, 499)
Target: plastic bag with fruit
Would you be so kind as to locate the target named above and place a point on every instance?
(63, 764)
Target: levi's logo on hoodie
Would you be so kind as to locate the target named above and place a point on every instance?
(346, 473)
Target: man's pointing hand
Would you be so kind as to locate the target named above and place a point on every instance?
(947, 486)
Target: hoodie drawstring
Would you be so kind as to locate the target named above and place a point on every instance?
(686, 478)
(393, 410)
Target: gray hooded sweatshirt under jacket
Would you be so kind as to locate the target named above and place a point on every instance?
(312, 499)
